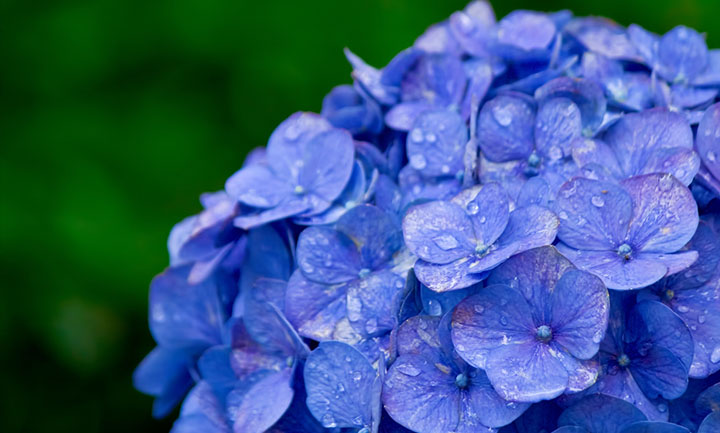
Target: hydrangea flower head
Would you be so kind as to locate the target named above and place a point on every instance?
(512, 227)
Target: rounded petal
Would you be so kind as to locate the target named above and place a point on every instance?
(580, 309)
(257, 186)
(506, 127)
(254, 409)
(600, 413)
(327, 164)
(587, 96)
(710, 424)
(708, 139)
(534, 274)
(594, 215)
(438, 232)
(665, 215)
(682, 54)
(637, 137)
(339, 383)
(421, 395)
(452, 276)
(526, 30)
(314, 309)
(373, 231)
(373, 301)
(528, 372)
(498, 316)
(327, 256)
(489, 210)
(654, 427)
(557, 124)
(286, 145)
(435, 143)
(616, 272)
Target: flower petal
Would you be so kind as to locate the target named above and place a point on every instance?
(580, 308)
(665, 215)
(601, 414)
(506, 127)
(327, 256)
(498, 316)
(339, 383)
(528, 372)
(593, 214)
(438, 232)
(435, 143)
(708, 139)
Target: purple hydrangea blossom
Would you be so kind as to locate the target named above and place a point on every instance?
(535, 328)
(458, 241)
(628, 234)
(512, 227)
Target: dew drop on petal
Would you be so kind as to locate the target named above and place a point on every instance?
(430, 137)
(683, 309)
(715, 355)
(328, 420)
(503, 320)
(711, 156)
(416, 135)
(502, 115)
(409, 370)
(472, 208)
(665, 183)
(479, 308)
(597, 201)
(445, 242)
(701, 319)
(418, 162)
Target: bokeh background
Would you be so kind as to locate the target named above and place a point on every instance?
(114, 116)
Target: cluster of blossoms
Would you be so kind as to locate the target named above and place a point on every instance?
(512, 227)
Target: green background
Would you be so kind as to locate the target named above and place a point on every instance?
(114, 116)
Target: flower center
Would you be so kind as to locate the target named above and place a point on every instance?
(299, 190)
(543, 333)
(481, 249)
(669, 294)
(364, 272)
(533, 160)
(625, 251)
(623, 360)
(461, 381)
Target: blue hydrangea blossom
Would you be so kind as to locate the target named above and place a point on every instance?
(512, 227)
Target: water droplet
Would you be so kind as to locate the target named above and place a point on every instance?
(409, 370)
(292, 132)
(340, 387)
(472, 208)
(328, 420)
(371, 326)
(503, 320)
(416, 135)
(665, 183)
(445, 242)
(711, 156)
(597, 201)
(418, 162)
(701, 319)
(662, 408)
(563, 215)
(445, 169)
(555, 153)
(502, 115)
(683, 309)
(478, 308)
(307, 267)
(430, 137)
(598, 337)
(715, 355)
(434, 308)
(483, 219)
(356, 376)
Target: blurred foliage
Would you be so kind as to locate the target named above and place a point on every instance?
(114, 116)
